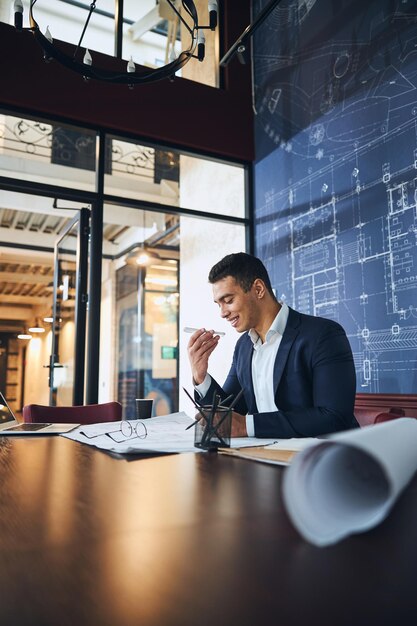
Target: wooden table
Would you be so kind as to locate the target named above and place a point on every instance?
(184, 540)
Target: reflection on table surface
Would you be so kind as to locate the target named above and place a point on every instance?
(188, 539)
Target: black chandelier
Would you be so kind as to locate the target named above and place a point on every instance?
(133, 74)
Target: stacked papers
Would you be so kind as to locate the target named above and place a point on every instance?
(278, 453)
(165, 434)
(349, 482)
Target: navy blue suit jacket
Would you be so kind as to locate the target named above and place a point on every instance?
(314, 380)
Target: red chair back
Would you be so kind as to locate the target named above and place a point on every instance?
(373, 408)
(86, 414)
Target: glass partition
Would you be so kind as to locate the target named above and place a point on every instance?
(62, 355)
(141, 172)
(67, 360)
(154, 263)
(29, 228)
(139, 356)
(50, 153)
(171, 178)
(212, 186)
(155, 269)
(147, 335)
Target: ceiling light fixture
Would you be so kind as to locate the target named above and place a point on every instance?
(50, 320)
(142, 256)
(36, 328)
(131, 74)
(24, 336)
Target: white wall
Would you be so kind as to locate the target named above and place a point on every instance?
(36, 390)
(107, 389)
(203, 243)
(38, 350)
(64, 377)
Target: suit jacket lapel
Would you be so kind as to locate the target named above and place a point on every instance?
(290, 333)
(247, 380)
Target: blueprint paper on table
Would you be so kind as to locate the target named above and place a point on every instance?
(166, 433)
(349, 482)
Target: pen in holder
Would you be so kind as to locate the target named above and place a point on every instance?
(214, 427)
(213, 424)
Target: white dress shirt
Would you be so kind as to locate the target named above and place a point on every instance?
(263, 360)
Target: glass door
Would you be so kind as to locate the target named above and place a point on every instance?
(67, 359)
(147, 323)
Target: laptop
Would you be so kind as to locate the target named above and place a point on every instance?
(10, 426)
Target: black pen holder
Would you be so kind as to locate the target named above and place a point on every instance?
(214, 428)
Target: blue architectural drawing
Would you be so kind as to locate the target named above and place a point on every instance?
(335, 96)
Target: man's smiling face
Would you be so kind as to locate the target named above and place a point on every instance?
(240, 308)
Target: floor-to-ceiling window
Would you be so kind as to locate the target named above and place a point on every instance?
(167, 217)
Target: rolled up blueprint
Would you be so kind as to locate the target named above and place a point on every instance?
(349, 482)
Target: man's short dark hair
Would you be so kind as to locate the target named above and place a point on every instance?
(244, 268)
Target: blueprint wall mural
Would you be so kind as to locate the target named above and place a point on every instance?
(335, 95)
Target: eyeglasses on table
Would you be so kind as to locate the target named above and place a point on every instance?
(127, 430)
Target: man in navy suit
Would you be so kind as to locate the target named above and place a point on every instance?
(296, 371)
